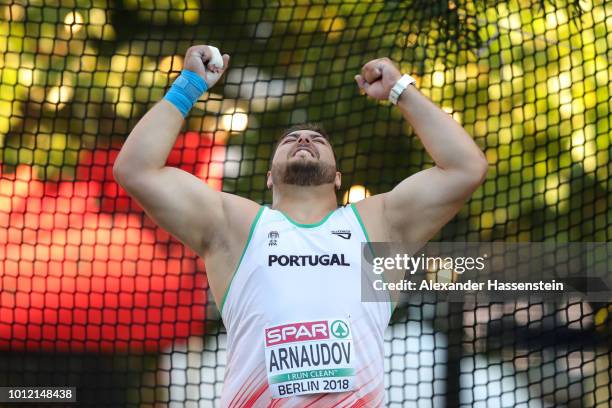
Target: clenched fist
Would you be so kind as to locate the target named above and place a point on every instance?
(378, 77)
(198, 59)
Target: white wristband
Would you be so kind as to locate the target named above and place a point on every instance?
(399, 87)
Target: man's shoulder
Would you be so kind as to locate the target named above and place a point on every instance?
(239, 215)
(370, 210)
(239, 212)
(369, 207)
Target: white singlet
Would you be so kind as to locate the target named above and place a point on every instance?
(298, 333)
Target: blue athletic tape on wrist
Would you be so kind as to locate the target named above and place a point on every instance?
(186, 90)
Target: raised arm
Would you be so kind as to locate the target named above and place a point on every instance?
(177, 201)
(424, 202)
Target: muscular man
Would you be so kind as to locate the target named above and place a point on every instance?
(287, 277)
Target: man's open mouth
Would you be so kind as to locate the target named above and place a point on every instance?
(306, 150)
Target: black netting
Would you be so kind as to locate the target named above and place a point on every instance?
(94, 295)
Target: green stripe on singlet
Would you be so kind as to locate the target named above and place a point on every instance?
(253, 225)
(313, 225)
(365, 232)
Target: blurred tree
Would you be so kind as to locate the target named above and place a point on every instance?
(527, 78)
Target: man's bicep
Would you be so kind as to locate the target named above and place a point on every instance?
(180, 203)
(418, 207)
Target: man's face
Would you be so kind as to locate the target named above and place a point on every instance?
(304, 158)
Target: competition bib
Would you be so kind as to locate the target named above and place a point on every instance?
(310, 357)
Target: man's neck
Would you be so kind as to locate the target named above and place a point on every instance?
(305, 204)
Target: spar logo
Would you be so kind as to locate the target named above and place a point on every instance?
(339, 329)
(295, 332)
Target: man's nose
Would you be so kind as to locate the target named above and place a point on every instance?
(304, 139)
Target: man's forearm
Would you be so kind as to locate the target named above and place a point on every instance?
(444, 139)
(150, 142)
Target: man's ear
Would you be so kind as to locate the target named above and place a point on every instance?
(338, 180)
(269, 180)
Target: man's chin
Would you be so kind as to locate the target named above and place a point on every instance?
(304, 171)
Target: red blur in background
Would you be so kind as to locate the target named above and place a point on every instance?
(82, 268)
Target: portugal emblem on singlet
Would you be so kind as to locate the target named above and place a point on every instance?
(273, 238)
(310, 357)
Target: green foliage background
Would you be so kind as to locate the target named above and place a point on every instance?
(530, 80)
